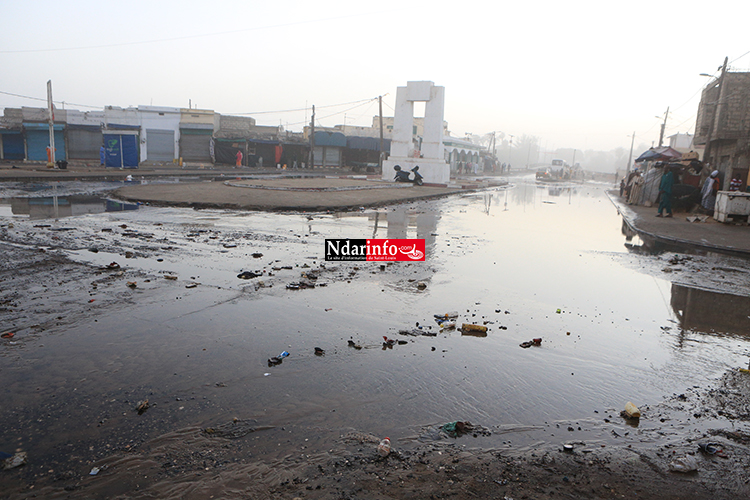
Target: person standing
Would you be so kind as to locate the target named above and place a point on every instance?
(665, 192)
(238, 163)
(102, 155)
(710, 188)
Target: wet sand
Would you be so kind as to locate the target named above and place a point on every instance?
(290, 194)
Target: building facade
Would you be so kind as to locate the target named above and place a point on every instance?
(723, 126)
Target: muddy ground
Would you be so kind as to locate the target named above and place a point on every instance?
(42, 290)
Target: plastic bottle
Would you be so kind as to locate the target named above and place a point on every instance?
(283, 355)
(384, 448)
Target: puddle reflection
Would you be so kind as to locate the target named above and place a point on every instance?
(55, 207)
(709, 311)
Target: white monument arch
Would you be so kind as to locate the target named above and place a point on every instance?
(427, 153)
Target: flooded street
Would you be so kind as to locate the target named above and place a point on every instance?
(529, 261)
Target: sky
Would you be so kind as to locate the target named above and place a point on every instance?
(574, 74)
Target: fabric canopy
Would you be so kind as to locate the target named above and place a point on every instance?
(664, 153)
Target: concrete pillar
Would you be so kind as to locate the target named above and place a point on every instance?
(403, 123)
(432, 142)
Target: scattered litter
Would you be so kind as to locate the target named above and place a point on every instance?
(568, 448)
(14, 461)
(711, 449)
(142, 406)
(230, 245)
(421, 285)
(388, 342)
(558, 311)
(319, 351)
(329, 309)
(684, 464)
(7, 335)
(448, 315)
(132, 284)
(293, 286)
(170, 277)
(384, 448)
(94, 471)
(192, 285)
(351, 343)
(473, 330)
(246, 275)
(276, 360)
(697, 218)
(470, 327)
(113, 265)
(631, 411)
(537, 342)
(91, 300)
(257, 255)
(459, 428)
(266, 374)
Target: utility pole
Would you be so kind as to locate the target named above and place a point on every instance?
(510, 150)
(380, 111)
(630, 157)
(663, 125)
(51, 109)
(716, 115)
(312, 138)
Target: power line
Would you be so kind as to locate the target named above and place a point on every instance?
(304, 109)
(743, 55)
(45, 100)
(187, 37)
(337, 113)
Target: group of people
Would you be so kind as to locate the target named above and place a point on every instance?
(708, 192)
(632, 189)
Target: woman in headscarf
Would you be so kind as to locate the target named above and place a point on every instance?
(710, 188)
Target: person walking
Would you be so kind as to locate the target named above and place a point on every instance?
(102, 156)
(238, 163)
(665, 192)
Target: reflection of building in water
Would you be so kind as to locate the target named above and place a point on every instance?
(400, 223)
(710, 311)
(54, 207)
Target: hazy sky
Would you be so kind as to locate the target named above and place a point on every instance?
(576, 74)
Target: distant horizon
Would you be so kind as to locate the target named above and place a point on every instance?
(581, 75)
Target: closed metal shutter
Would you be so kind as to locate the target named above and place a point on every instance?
(37, 142)
(13, 146)
(84, 144)
(333, 157)
(318, 156)
(195, 147)
(159, 145)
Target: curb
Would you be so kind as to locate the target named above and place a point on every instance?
(628, 219)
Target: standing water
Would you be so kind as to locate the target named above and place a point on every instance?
(530, 261)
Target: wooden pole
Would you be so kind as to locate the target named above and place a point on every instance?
(50, 108)
(630, 157)
(380, 108)
(312, 138)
